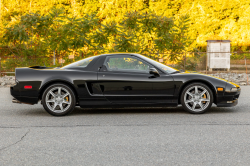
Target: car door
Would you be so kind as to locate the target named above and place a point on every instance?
(126, 79)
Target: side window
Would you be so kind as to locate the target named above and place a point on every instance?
(126, 63)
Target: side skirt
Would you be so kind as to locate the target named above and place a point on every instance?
(130, 106)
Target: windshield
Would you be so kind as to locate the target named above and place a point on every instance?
(162, 66)
(80, 63)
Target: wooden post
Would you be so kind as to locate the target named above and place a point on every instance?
(158, 57)
(185, 61)
(246, 68)
(1, 13)
(0, 65)
(206, 62)
(54, 58)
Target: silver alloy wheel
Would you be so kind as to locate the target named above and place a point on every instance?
(58, 99)
(197, 98)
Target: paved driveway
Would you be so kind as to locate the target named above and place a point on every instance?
(169, 136)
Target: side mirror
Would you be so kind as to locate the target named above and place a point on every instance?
(154, 71)
(103, 68)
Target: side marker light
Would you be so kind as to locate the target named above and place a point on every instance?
(27, 87)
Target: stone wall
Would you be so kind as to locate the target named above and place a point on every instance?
(7, 81)
(240, 79)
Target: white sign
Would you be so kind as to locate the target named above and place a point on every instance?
(71, 56)
(218, 56)
(61, 60)
(161, 60)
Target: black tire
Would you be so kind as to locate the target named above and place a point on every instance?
(53, 99)
(196, 103)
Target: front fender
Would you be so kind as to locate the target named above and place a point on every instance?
(182, 80)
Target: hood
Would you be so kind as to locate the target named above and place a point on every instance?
(194, 72)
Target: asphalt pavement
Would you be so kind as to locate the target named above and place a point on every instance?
(146, 136)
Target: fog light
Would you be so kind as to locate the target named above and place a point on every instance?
(234, 89)
(229, 101)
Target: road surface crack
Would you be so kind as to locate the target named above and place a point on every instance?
(16, 141)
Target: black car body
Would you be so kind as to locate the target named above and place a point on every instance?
(96, 86)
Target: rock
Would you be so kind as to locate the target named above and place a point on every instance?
(243, 83)
(7, 82)
(2, 84)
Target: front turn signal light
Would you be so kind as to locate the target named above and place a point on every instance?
(220, 89)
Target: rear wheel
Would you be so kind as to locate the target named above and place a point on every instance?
(58, 100)
(197, 98)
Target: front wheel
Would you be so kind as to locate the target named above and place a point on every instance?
(58, 100)
(197, 98)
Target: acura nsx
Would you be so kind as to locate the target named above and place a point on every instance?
(120, 80)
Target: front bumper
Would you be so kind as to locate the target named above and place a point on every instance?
(227, 98)
(223, 104)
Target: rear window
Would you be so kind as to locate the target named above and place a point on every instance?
(81, 63)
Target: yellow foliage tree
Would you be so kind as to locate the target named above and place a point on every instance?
(214, 19)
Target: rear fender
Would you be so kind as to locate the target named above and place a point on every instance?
(54, 81)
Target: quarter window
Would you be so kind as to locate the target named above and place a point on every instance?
(82, 63)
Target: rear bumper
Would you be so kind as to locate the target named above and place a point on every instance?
(14, 91)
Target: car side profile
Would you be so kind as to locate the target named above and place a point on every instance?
(120, 80)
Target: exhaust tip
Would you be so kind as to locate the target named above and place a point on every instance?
(14, 100)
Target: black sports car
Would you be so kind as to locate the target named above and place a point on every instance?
(120, 80)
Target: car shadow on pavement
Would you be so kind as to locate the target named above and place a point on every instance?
(221, 110)
(174, 110)
(79, 110)
(85, 111)
(32, 112)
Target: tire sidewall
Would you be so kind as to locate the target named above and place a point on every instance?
(73, 98)
(197, 84)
